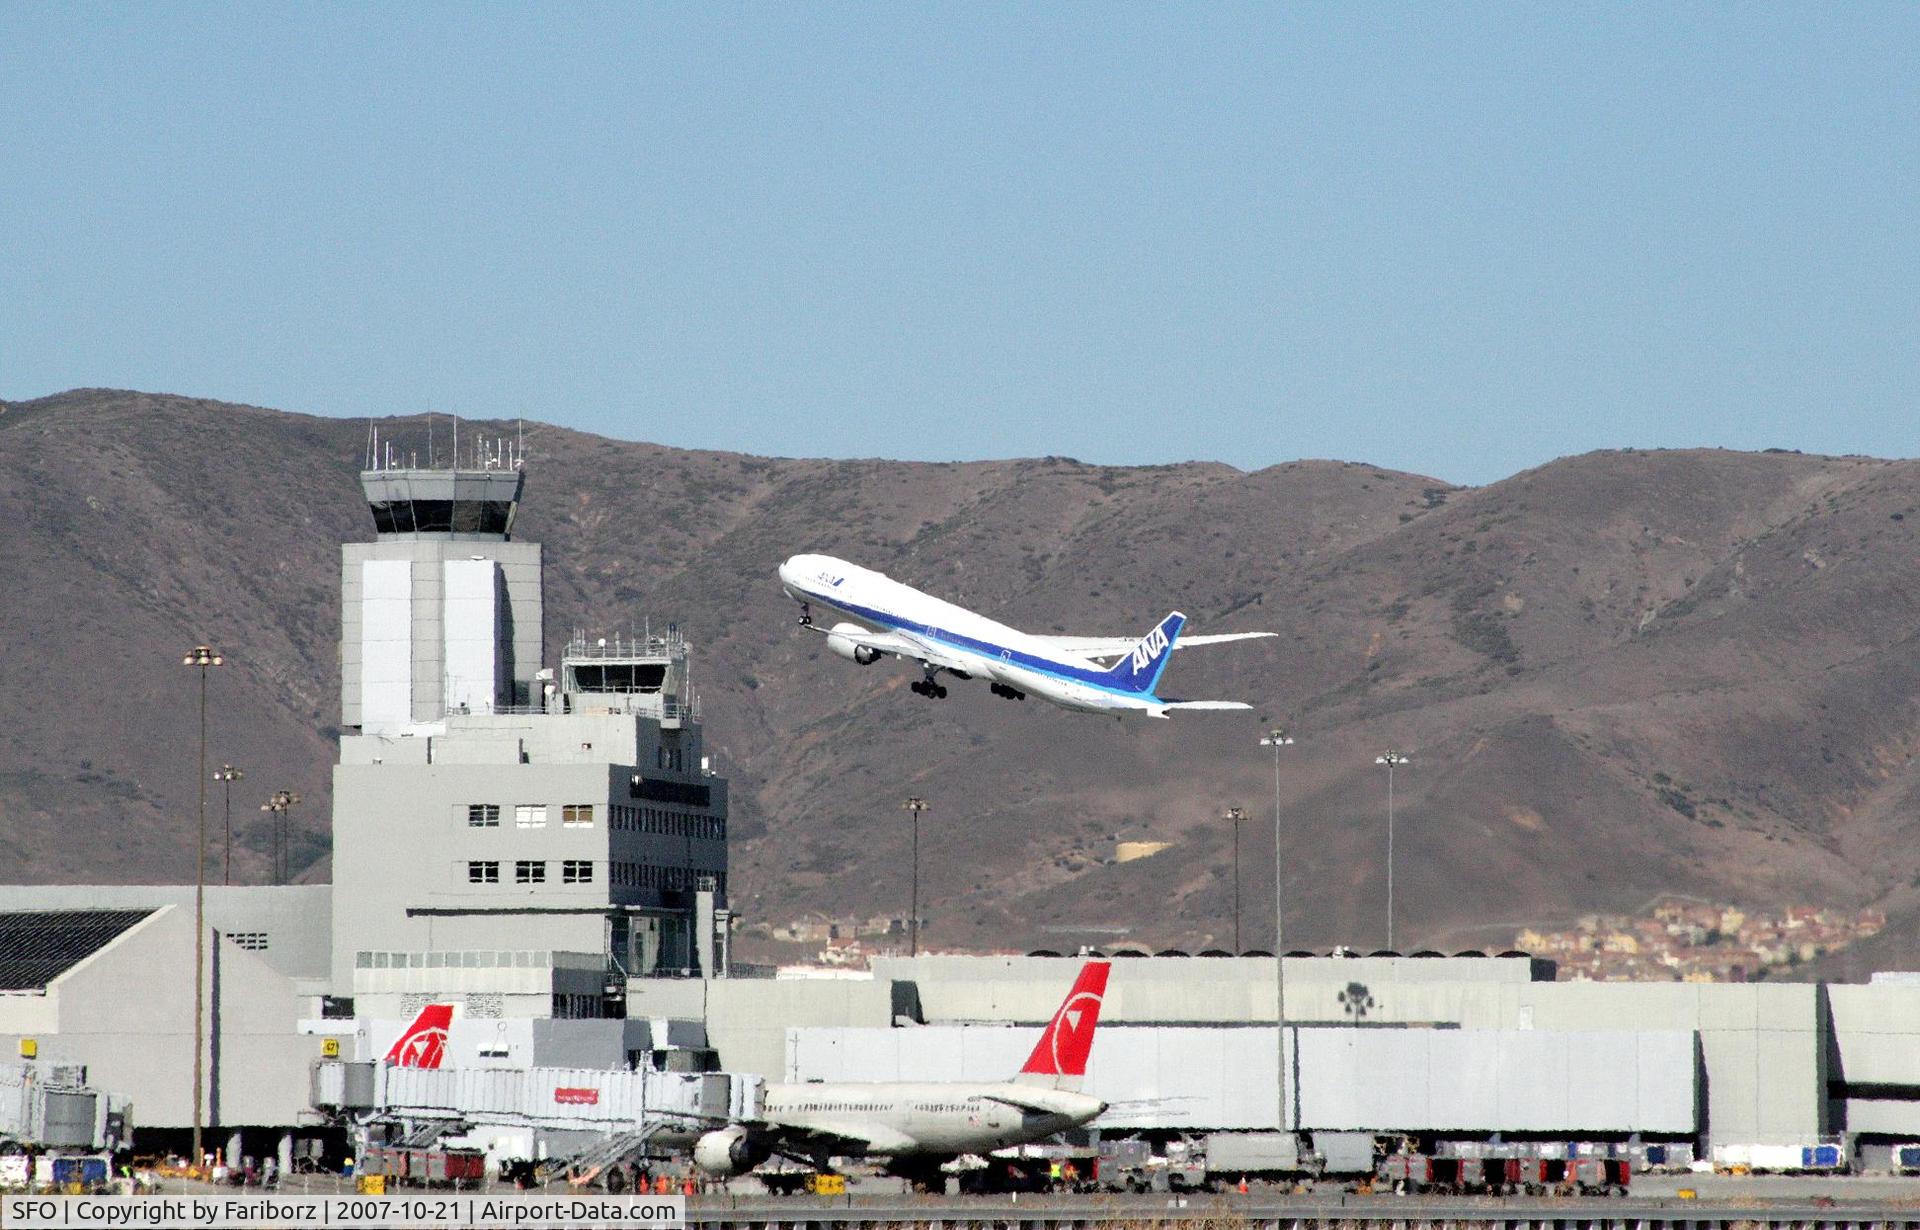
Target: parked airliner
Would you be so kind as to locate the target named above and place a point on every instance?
(913, 1127)
(1071, 671)
(916, 1126)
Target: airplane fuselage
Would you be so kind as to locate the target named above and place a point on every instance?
(905, 1120)
(953, 638)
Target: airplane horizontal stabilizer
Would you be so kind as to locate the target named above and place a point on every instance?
(1205, 704)
(1114, 646)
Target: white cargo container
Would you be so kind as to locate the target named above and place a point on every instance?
(1815, 1155)
(1252, 1152)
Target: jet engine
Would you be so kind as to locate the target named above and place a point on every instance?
(728, 1151)
(837, 640)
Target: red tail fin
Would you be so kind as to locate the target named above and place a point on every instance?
(1060, 1058)
(423, 1044)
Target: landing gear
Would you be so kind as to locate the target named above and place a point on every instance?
(806, 615)
(927, 687)
(1006, 693)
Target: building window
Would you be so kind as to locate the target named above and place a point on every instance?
(483, 872)
(529, 871)
(252, 941)
(576, 871)
(483, 815)
(577, 816)
(642, 875)
(530, 815)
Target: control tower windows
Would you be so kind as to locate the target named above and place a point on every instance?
(576, 871)
(483, 815)
(577, 816)
(483, 872)
(530, 815)
(441, 516)
(623, 677)
(530, 871)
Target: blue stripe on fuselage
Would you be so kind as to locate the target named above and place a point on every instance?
(1090, 676)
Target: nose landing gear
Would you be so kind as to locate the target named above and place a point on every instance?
(806, 615)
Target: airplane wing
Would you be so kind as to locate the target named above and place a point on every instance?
(1022, 1105)
(853, 1139)
(1114, 646)
(879, 642)
(903, 645)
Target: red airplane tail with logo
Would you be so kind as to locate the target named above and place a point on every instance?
(1059, 1061)
(423, 1044)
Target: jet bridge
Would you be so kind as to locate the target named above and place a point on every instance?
(50, 1106)
(599, 1101)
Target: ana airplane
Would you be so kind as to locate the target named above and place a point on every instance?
(1091, 673)
(917, 1126)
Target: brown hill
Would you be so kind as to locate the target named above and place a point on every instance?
(1619, 675)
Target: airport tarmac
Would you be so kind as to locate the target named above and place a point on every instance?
(1302, 1213)
(1718, 1200)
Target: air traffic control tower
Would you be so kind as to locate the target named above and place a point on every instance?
(523, 838)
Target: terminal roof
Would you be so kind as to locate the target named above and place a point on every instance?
(40, 945)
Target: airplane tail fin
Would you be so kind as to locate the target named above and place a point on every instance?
(423, 1043)
(1059, 1061)
(1139, 671)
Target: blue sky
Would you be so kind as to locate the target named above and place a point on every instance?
(1459, 239)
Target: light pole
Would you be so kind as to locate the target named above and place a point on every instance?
(203, 657)
(1277, 739)
(1236, 814)
(1391, 760)
(226, 775)
(279, 804)
(914, 806)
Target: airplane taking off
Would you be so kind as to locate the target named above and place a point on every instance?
(1090, 673)
(915, 1126)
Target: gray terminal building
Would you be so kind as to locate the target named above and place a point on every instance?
(521, 838)
(517, 837)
